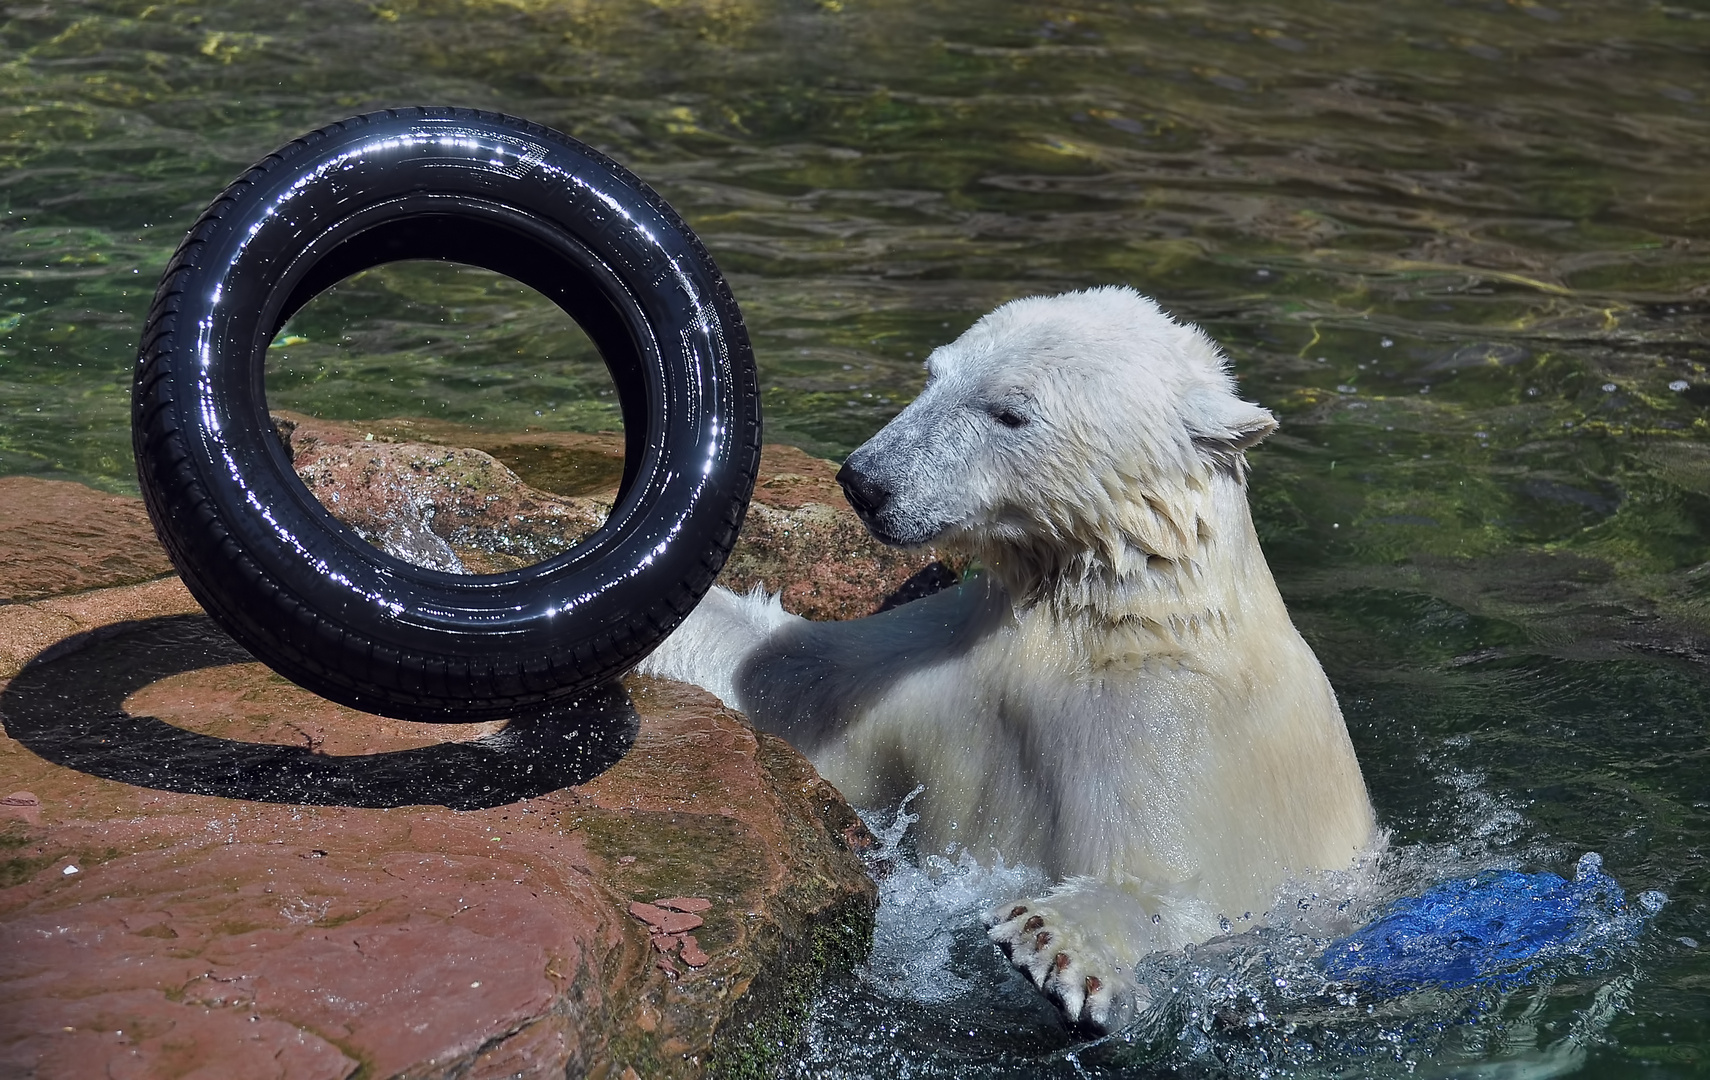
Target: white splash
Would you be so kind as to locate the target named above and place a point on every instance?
(925, 907)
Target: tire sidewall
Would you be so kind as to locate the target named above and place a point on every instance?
(304, 591)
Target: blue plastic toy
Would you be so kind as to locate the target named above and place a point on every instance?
(1497, 928)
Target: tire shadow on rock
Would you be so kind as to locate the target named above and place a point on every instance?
(67, 705)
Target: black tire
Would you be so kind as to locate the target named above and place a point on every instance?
(303, 592)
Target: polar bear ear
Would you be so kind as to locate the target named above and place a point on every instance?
(1224, 425)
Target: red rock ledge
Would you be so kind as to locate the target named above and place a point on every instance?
(154, 925)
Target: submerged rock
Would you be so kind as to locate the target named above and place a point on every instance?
(206, 868)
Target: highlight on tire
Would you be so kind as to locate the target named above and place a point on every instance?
(306, 594)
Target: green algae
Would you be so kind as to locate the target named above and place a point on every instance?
(746, 1021)
(763, 1037)
(822, 931)
(16, 867)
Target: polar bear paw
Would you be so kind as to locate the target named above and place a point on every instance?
(1072, 967)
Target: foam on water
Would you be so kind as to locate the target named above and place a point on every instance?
(925, 904)
(937, 999)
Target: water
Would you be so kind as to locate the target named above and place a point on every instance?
(1462, 249)
(935, 999)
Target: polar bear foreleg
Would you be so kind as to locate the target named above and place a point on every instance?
(712, 644)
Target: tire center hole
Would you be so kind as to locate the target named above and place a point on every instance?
(452, 417)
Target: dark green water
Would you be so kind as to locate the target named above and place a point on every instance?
(1462, 249)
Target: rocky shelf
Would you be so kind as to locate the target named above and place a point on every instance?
(207, 871)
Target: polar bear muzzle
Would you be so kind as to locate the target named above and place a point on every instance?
(865, 494)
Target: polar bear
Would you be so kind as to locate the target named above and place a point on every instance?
(1120, 698)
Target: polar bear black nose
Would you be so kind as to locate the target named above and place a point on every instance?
(865, 494)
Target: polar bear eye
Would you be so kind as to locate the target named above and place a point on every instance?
(1007, 416)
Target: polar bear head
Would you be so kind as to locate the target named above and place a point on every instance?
(1086, 422)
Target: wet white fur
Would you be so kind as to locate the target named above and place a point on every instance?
(1122, 698)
